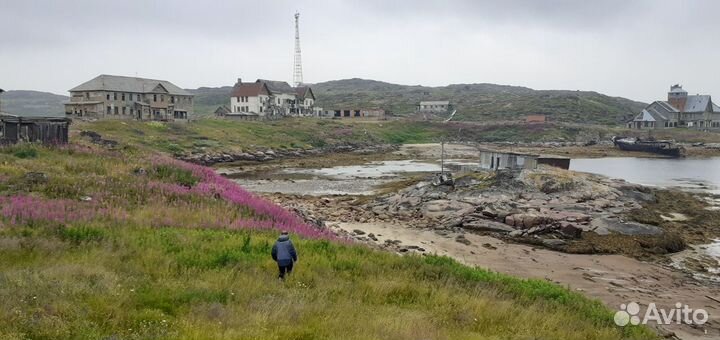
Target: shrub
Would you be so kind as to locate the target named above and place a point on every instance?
(81, 234)
(175, 175)
(24, 153)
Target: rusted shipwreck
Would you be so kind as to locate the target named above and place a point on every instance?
(45, 130)
(663, 147)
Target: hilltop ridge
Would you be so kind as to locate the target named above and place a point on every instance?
(475, 102)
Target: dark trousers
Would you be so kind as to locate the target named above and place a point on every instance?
(285, 268)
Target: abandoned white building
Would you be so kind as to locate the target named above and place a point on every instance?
(118, 97)
(496, 160)
(305, 101)
(265, 98)
(354, 113)
(442, 106)
(680, 110)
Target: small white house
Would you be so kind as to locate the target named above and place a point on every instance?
(250, 98)
(440, 106)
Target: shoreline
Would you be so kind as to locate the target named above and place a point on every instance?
(612, 278)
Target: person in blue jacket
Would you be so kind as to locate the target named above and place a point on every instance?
(283, 252)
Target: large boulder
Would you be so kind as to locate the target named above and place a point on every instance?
(446, 208)
(526, 221)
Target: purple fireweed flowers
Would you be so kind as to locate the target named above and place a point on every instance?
(114, 203)
(266, 215)
(24, 209)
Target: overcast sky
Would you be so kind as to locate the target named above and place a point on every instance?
(634, 49)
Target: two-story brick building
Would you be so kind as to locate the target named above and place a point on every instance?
(118, 97)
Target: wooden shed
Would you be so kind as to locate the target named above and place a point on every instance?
(46, 130)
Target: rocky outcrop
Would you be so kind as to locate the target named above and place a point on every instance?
(210, 158)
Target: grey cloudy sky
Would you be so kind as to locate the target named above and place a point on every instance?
(634, 49)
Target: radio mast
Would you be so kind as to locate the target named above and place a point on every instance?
(297, 68)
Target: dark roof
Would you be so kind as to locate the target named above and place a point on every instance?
(106, 82)
(304, 91)
(698, 103)
(250, 90)
(276, 86)
(222, 109)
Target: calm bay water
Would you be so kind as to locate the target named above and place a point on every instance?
(691, 174)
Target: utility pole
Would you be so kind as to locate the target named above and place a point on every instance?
(1, 92)
(297, 65)
(442, 156)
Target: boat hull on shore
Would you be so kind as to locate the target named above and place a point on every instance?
(666, 148)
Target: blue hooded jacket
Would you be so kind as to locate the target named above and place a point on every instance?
(283, 252)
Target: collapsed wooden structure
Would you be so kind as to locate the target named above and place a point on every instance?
(46, 130)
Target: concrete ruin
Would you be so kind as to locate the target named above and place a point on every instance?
(496, 160)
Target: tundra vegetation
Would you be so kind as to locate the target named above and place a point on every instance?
(125, 243)
(216, 135)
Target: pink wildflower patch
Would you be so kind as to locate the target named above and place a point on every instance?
(267, 215)
(23, 209)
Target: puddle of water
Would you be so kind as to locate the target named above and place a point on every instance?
(341, 180)
(313, 187)
(383, 169)
(709, 254)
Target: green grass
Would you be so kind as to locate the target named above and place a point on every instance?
(218, 135)
(158, 273)
(134, 282)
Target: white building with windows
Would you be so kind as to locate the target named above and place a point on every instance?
(250, 99)
(270, 98)
(438, 106)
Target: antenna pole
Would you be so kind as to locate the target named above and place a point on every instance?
(297, 64)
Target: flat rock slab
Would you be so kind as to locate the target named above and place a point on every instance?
(483, 225)
(604, 226)
(445, 208)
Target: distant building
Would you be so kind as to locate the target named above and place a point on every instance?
(434, 107)
(250, 98)
(222, 110)
(531, 119)
(269, 98)
(680, 110)
(305, 101)
(46, 130)
(346, 113)
(118, 97)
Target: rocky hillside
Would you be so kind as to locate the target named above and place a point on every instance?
(33, 103)
(480, 101)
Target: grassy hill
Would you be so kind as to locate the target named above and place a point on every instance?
(207, 99)
(475, 102)
(130, 244)
(33, 103)
(480, 102)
